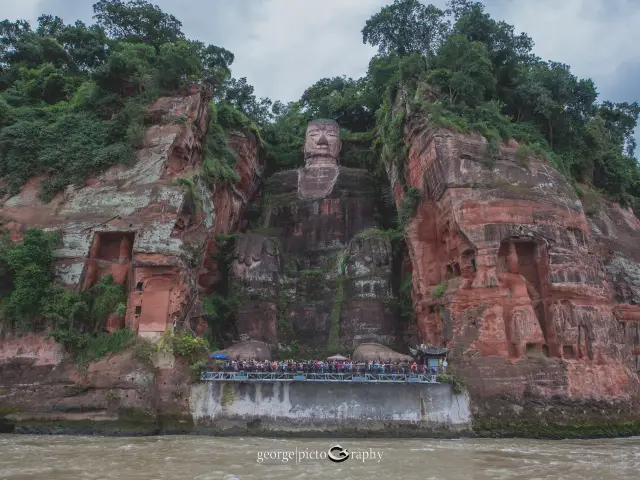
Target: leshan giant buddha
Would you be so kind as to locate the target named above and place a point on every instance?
(315, 270)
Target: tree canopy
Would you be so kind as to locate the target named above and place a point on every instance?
(72, 95)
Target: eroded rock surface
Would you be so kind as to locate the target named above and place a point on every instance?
(140, 223)
(532, 298)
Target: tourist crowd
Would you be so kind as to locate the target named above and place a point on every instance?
(320, 366)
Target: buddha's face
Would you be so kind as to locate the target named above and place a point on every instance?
(322, 140)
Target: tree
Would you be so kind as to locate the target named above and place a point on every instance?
(216, 62)
(463, 71)
(345, 100)
(129, 67)
(31, 266)
(239, 93)
(137, 21)
(620, 121)
(406, 26)
(10, 34)
(508, 51)
(176, 62)
(548, 94)
(87, 46)
(49, 26)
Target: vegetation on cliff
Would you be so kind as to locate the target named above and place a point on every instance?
(73, 96)
(463, 70)
(31, 299)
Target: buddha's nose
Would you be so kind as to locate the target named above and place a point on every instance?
(323, 140)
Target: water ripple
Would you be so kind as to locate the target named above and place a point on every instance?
(211, 458)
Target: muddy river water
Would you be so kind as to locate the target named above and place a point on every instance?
(209, 458)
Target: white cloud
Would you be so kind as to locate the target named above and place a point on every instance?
(293, 44)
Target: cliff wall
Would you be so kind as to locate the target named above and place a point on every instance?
(538, 302)
(535, 300)
(152, 225)
(141, 224)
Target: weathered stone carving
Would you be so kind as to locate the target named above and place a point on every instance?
(318, 261)
(524, 273)
(139, 225)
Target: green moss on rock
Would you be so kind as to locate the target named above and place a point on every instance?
(556, 431)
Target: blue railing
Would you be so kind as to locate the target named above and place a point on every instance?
(316, 377)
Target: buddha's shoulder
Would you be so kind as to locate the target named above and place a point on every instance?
(283, 181)
(349, 172)
(354, 179)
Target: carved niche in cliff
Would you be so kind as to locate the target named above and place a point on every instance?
(315, 269)
(110, 254)
(520, 268)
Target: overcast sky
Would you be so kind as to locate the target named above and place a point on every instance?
(284, 46)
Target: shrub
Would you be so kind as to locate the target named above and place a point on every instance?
(409, 206)
(144, 351)
(86, 349)
(183, 344)
(439, 290)
(457, 383)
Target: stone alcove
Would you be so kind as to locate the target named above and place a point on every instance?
(522, 265)
(110, 254)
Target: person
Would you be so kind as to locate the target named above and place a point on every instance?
(444, 365)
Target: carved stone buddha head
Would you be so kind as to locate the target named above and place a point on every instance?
(322, 143)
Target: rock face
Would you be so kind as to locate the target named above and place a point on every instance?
(140, 224)
(531, 297)
(314, 268)
(538, 304)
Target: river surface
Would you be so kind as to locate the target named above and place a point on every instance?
(209, 458)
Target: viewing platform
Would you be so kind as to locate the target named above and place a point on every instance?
(316, 377)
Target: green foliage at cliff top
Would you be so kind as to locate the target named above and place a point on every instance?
(72, 96)
(463, 70)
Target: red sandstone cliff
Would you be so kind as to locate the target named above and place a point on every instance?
(140, 225)
(533, 298)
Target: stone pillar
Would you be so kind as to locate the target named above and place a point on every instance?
(512, 259)
(95, 245)
(90, 273)
(125, 247)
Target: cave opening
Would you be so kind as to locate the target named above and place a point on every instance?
(112, 246)
(524, 256)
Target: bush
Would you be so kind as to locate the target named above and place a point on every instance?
(183, 344)
(144, 351)
(86, 349)
(439, 291)
(457, 383)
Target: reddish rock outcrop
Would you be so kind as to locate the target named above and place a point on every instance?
(531, 297)
(139, 224)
